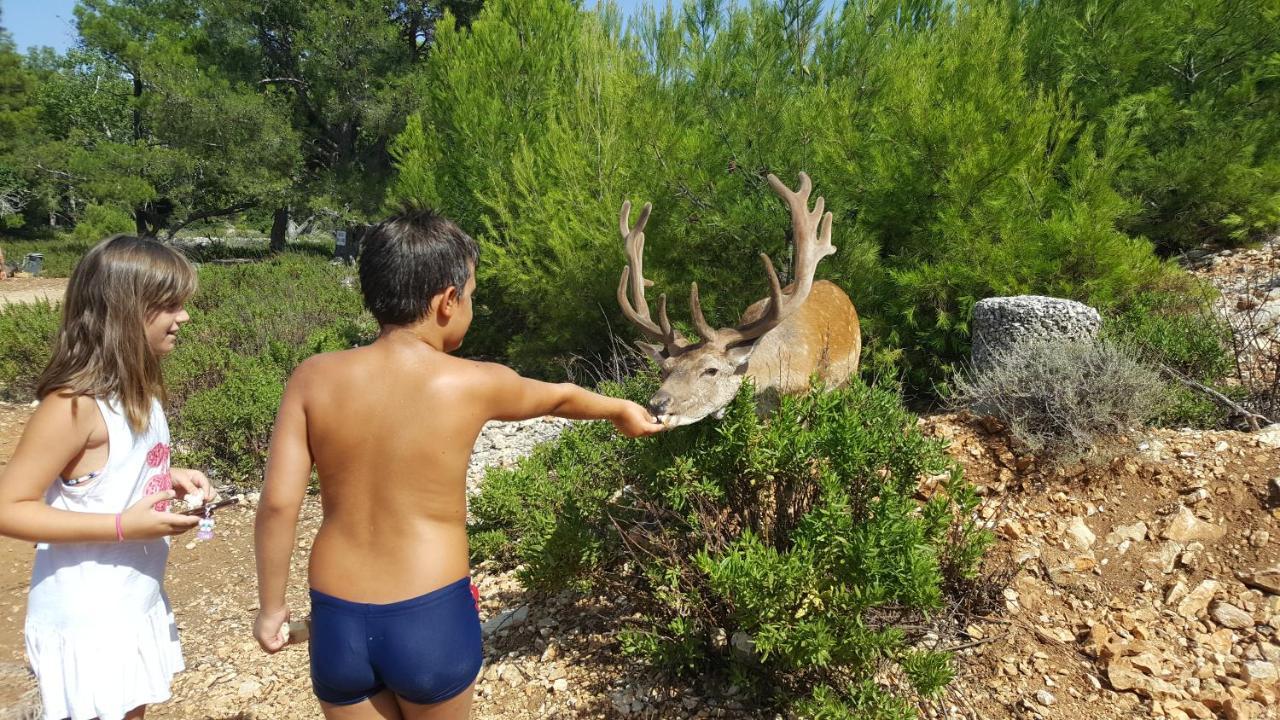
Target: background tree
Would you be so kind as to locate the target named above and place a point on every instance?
(200, 144)
(18, 112)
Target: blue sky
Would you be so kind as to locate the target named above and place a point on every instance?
(51, 22)
(39, 22)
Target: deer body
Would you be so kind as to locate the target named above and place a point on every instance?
(807, 329)
(819, 339)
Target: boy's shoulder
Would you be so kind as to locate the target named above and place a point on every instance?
(363, 362)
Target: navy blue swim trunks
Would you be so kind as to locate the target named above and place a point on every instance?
(425, 650)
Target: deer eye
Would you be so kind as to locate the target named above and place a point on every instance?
(710, 372)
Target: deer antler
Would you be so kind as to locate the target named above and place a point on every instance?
(637, 309)
(811, 235)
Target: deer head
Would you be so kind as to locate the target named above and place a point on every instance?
(700, 378)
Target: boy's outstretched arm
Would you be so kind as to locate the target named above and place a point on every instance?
(275, 527)
(512, 397)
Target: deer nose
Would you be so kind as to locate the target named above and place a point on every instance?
(659, 403)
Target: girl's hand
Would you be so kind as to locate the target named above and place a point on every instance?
(193, 481)
(142, 522)
(268, 628)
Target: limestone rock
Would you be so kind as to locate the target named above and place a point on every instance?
(1124, 676)
(1197, 599)
(1266, 580)
(1228, 615)
(1185, 527)
(1079, 536)
(505, 620)
(1260, 671)
(1135, 532)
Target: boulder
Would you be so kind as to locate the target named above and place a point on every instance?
(1000, 323)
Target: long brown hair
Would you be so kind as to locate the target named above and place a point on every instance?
(101, 348)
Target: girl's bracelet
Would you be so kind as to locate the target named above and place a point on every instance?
(119, 529)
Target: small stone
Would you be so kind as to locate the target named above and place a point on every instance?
(505, 620)
(560, 685)
(1079, 536)
(1197, 599)
(1260, 538)
(1135, 532)
(1164, 558)
(1266, 580)
(1045, 698)
(1260, 671)
(1228, 615)
(249, 689)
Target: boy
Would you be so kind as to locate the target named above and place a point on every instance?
(389, 429)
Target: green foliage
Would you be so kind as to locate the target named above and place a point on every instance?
(101, 221)
(792, 534)
(1180, 331)
(26, 334)
(251, 325)
(951, 177)
(1194, 82)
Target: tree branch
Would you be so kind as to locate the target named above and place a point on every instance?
(290, 80)
(229, 210)
(1251, 417)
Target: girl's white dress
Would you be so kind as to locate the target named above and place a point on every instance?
(100, 635)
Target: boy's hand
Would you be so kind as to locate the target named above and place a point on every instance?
(634, 421)
(268, 628)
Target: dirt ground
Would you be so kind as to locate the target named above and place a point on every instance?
(25, 290)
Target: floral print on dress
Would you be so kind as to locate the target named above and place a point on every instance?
(159, 483)
(158, 455)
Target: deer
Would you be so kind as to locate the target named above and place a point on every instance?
(807, 329)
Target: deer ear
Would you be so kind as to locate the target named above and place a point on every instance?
(739, 355)
(653, 352)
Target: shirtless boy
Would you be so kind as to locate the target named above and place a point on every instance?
(389, 429)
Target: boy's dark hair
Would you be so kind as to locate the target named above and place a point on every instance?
(408, 259)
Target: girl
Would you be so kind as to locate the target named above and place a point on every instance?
(90, 483)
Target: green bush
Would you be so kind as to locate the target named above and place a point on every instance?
(788, 538)
(102, 221)
(26, 336)
(226, 429)
(1180, 331)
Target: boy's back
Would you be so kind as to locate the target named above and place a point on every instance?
(391, 427)
(389, 430)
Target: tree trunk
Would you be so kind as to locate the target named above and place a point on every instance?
(279, 229)
(139, 212)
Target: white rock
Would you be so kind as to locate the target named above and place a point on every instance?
(1046, 698)
(1228, 615)
(560, 685)
(1079, 535)
(1185, 527)
(1269, 435)
(1260, 671)
(1135, 532)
